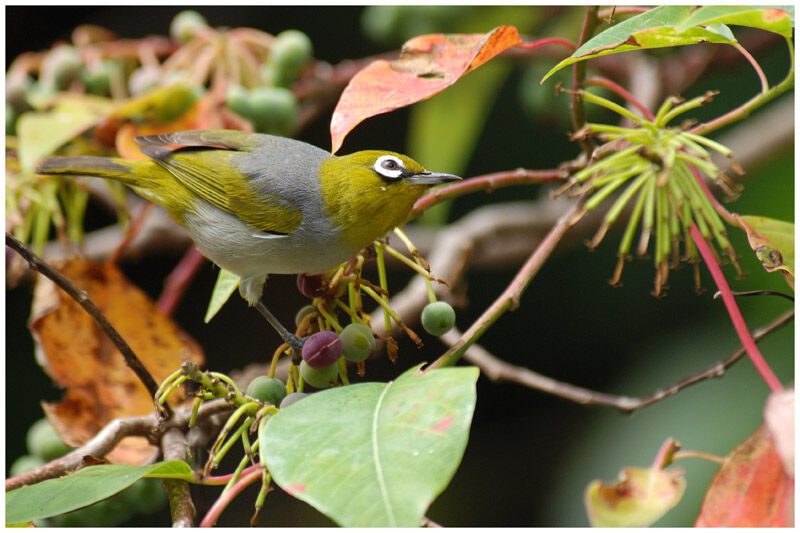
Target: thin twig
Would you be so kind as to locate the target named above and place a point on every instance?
(510, 298)
(533, 45)
(488, 183)
(733, 310)
(222, 502)
(499, 370)
(578, 74)
(181, 507)
(84, 301)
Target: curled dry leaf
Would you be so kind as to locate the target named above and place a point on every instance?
(751, 488)
(427, 65)
(82, 359)
(773, 242)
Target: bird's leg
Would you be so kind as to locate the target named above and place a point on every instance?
(292, 340)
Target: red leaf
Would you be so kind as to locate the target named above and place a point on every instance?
(751, 488)
(427, 65)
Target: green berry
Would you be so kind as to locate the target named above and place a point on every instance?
(61, 67)
(273, 110)
(438, 318)
(44, 442)
(237, 99)
(267, 389)
(290, 52)
(144, 79)
(293, 398)
(97, 79)
(184, 24)
(25, 463)
(320, 378)
(357, 342)
(302, 313)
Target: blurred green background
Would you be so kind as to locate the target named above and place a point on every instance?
(530, 455)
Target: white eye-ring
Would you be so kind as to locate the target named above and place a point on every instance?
(389, 166)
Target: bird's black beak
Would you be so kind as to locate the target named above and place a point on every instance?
(430, 178)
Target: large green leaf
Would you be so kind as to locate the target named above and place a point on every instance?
(374, 454)
(85, 487)
(676, 25)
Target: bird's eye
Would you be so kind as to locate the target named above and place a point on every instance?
(389, 167)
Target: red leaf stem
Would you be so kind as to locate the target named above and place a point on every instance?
(733, 311)
(544, 42)
(133, 230)
(222, 480)
(179, 279)
(601, 81)
(222, 502)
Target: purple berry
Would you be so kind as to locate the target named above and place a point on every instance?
(322, 349)
(310, 285)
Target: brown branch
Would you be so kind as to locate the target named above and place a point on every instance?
(181, 507)
(84, 301)
(499, 370)
(577, 109)
(100, 445)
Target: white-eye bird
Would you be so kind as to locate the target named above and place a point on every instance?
(258, 204)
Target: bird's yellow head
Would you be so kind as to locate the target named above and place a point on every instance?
(368, 193)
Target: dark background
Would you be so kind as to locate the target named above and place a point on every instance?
(530, 455)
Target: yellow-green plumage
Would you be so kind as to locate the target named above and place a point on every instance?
(258, 204)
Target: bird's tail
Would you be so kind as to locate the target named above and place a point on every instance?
(121, 170)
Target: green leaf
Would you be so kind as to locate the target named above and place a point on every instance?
(41, 134)
(374, 454)
(656, 28)
(226, 283)
(766, 18)
(773, 243)
(85, 487)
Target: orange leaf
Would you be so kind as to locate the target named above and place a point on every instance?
(751, 488)
(427, 65)
(83, 360)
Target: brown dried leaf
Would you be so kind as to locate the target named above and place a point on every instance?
(81, 358)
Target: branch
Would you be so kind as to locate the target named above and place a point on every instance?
(578, 73)
(181, 506)
(510, 298)
(84, 301)
(499, 370)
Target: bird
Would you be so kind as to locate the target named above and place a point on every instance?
(258, 204)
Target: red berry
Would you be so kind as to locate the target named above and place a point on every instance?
(322, 349)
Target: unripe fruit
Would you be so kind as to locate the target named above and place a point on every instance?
(438, 318)
(237, 98)
(61, 67)
(357, 342)
(319, 378)
(144, 79)
(44, 442)
(97, 79)
(273, 110)
(25, 463)
(184, 24)
(293, 398)
(322, 349)
(311, 285)
(290, 51)
(267, 389)
(302, 313)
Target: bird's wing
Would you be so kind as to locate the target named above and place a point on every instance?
(196, 164)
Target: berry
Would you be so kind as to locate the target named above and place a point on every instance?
(267, 389)
(25, 463)
(237, 98)
(310, 285)
(357, 342)
(319, 378)
(97, 80)
(322, 349)
(273, 110)
(290, 51)
(44, 442)
(438, 318)
(293, 398)
(184, 24)
(302, 313)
